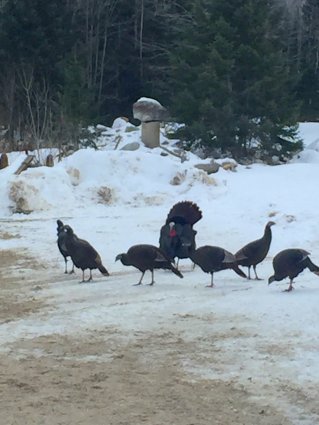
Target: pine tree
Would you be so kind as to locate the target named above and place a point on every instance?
(230, 77)
(35, 32)
(308, 88)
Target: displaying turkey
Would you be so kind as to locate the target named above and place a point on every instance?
(177, 236)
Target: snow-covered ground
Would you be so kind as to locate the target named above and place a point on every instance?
(262, 337)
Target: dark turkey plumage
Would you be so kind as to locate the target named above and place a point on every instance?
(177, 240)
(83, 255)
(177, 236)
(61, 245)
(256, 251)
(184, 212)
(213, 259)
(290, 263)
(147, 257)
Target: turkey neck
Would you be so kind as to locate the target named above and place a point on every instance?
(69, 241)
(267, 236)
(125, 261)
(192, 253)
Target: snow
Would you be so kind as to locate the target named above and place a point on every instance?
(258, 319)
(149, 100)
(309, 133)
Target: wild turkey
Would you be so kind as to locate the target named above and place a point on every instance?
(184, 212)
(177, 236)
(290, 263)
(256, 251)
(213, 259)
(61, 245)
(177, 240)
(83, 255)
(147, 257)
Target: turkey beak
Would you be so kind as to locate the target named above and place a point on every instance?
(118, 257)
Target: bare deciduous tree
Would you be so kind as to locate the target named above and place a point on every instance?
(38, 105)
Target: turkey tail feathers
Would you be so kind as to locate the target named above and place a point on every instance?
(184, 212)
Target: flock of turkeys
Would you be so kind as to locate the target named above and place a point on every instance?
(177, 241)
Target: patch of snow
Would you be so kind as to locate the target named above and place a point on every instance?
(149, 100)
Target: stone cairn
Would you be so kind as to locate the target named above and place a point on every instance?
(151, 113)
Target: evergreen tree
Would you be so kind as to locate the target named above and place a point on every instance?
(230, 80)
(35, 32)
(308, 88)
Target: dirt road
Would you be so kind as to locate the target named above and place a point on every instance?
(100, 377)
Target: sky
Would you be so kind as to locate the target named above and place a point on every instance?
(116, 198)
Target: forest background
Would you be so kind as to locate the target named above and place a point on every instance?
(239, 74)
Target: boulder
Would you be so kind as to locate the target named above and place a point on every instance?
(229, 165)
(210, 168)
(49, 162)
(131, 146)
(4, 162)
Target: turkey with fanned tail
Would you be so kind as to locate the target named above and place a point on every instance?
(177, 236)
